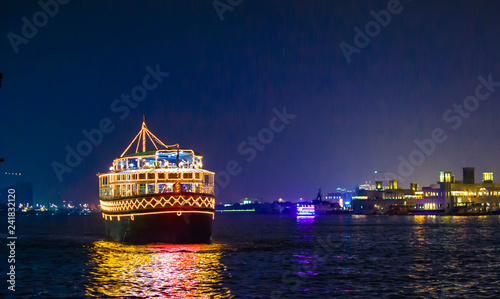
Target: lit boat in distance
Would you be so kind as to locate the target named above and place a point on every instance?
(305, 210)
(158, 196)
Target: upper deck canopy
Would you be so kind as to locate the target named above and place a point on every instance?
(182, 152)
(168, 157)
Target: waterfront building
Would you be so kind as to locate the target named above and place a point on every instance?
(341, 198)
(391, 200)
(450, 196)
(447, 197)
(336, 198)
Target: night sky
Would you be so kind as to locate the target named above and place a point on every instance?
(226, 77)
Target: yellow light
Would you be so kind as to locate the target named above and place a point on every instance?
(179, 271)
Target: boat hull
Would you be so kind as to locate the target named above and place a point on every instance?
(176, 226)
(180, 218)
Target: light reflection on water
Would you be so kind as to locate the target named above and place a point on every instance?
(446, 255)
(267, 256)
(176, 271)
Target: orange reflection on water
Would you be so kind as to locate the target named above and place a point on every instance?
(419, 243)
(168, 271)
(425, 267)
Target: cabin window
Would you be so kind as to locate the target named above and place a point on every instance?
(142, 176)
(208, 180)
(161, 176)
(172, 176)
(151, 176)
(188, 175)
(197, 175)
(142, 188)
(151, 188)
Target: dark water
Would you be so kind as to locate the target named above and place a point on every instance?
(264, 256)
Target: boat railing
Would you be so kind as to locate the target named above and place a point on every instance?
(119, 168)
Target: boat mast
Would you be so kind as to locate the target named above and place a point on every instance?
(142, 135)
(144, 129)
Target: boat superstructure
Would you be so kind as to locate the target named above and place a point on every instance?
(162, 195)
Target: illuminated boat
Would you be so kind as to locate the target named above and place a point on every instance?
(305, 210)
(157, 196)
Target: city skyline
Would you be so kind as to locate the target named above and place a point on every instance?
(301, 96)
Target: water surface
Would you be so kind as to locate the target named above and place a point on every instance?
(263, 256)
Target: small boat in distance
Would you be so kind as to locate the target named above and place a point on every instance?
(157, 196)
(305, 210)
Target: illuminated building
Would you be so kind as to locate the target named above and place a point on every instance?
(447, 197)
(392, 200)
(465, 197)
(163, 195)
(367, 186)
(336, 198)
(341, 198)
(393, 184)
(488, 177)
